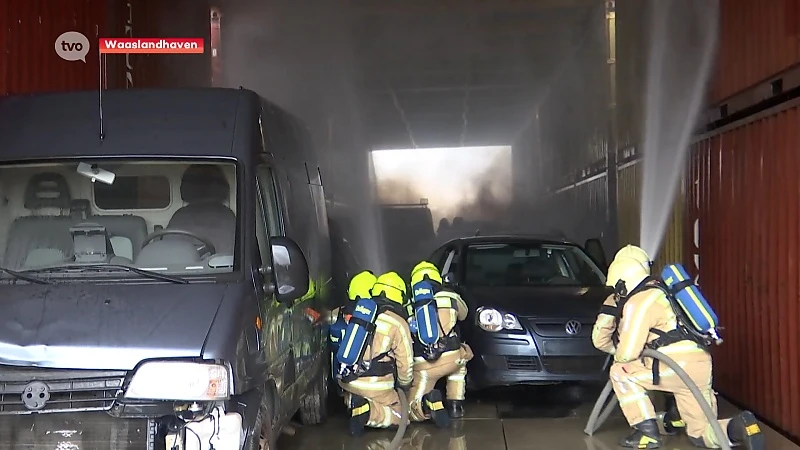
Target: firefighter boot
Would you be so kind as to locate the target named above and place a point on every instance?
(433, 406)
(744, 430)
(359, 415)
(455, 408)
(645, 436)
(673, 424)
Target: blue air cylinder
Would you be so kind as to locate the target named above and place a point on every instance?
(691, 300)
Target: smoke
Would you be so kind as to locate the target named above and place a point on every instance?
(397, 191)
(300, 58)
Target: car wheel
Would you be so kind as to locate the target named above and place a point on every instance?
(314, 405)
(262, 437)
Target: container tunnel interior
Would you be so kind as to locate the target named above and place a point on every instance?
(663, 124)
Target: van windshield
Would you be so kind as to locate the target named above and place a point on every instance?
(163, 216)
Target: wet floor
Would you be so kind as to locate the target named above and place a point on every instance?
(534, 418)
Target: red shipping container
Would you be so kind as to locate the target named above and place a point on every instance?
(744, 198)
(758, 39)
(29, 28)
(159, 18)
(28, 32)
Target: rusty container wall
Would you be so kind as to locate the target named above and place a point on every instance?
(215, 47)
(744, 195)
(28, 31)
(628, 206)
(758, 39)
(631, 65)
(153, 19)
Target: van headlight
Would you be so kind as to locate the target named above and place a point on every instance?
(179, 380)
(493, 320)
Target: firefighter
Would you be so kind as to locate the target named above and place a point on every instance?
(647, 316)
(604, 337)
(438, 350)
(376, 356)
(359, 288)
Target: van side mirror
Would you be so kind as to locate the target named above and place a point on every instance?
(595, 251)
(290, 270)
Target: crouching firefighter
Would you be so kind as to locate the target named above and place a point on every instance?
(438, 350)
(359, 288)
(653, 318)
(375, 356)
(605, 337)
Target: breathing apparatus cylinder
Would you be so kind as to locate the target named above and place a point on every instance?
(597, 418)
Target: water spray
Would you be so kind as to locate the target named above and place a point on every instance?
(682, 45)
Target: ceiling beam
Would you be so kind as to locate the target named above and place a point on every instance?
(443, 89)
(499, 29)
(394, 7)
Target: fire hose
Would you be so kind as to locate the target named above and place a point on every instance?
(600, 414)
(397, 441)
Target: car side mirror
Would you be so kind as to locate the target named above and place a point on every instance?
(290, 270)
(595, 251)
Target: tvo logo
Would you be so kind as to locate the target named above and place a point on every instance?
(72, 46)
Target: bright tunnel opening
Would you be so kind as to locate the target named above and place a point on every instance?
(467, 182)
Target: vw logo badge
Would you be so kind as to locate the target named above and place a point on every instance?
(573, 327)
(35, 395)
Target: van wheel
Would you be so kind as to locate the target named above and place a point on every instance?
(262, 437)
(314, 405)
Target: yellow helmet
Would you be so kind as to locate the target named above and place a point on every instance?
(628, 270)
(425, 268)
(632, 251)
(360, 285)
(391, 286)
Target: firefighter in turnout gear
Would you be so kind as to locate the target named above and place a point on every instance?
(376, 356)
(648, 320)
(604, 336)
(360, 286)
(438, 350)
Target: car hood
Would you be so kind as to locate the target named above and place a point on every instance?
(546, 302)
(87, 326)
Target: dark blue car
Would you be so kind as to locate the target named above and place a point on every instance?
(533, 302)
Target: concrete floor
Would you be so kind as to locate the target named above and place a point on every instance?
(521, 419)
(499, 422)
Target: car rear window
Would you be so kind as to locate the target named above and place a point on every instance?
(524, 264)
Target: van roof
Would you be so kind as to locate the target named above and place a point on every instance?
(137, 122)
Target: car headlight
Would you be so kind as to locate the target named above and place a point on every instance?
(493, 320)
(179, 380)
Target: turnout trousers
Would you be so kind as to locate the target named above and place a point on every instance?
(632, 381)
(452, 364)
(384, 403)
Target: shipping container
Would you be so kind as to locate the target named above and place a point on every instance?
(28, 33)
(758, 39)
(629, 213)
(29, 29)
(744, 198)
(630, 66)
(159, 18)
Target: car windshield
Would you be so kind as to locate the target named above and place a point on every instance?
(93, 219)
(530, 264)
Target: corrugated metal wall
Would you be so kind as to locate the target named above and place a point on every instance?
(757, 40)
(29, 28)
(629, 216)
(160, 18)
(28, 32)
(746, 199)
